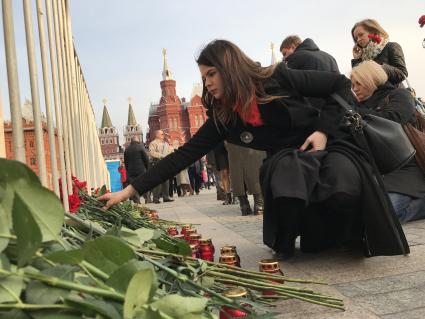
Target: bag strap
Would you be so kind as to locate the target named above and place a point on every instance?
(354, 119)
(342, 102)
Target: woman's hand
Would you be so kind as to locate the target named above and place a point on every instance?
(117, 197)
(317, 140)
(357, 52)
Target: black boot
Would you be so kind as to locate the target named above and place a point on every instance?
(289, 210)
(258, 204)
(244, 204)
(228, 199)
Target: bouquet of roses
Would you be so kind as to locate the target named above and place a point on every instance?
(375, 38)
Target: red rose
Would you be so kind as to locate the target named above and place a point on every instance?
(74, 202)
(374, 38)
(422, 21)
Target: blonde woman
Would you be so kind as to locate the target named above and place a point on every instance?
(406, 186)
(371, 42)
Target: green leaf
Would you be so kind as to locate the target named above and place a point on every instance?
(149, 313)
(27, 231)
(140, 291)
(107, 253)
(102, 190)
(39, 293)
(157, 233)
(130, 236)
(48, 212)
(71, 257)
(10, 288)
(183, 248)
(90, 305)
(113, 231)
(179, 307)
(53, 314)
(207, 281)
(145, 234)
(4, 263)
(13, 170)
(6, 203)
(120, 278)
(11, 174)
(14, 314)
(166, 245)
(203, 266)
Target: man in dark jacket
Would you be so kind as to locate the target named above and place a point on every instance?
(306, 55)
(136, 162)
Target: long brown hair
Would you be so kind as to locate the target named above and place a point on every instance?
(242, 79)
(371, 26)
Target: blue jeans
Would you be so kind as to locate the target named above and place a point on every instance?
(407, 208)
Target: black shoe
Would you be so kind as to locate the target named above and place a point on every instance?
(244, 204)
(228, 199)
(281, 256)
(286, 245)
(156, 201)
(168, 200)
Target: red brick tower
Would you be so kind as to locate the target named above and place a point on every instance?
(179, 119)
(195, 110)
(167, 116)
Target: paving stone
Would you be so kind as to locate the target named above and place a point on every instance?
(380, 287)
(409, 314)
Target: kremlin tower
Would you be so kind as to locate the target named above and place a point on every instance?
(178, 118)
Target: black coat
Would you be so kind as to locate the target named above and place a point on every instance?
(308, 56)
(395, 104)
(288, 121)
(382, 233)
(135, 159)
(392, 60)
(398, 105)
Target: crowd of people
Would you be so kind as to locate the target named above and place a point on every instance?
(138, 158)
(278, 133)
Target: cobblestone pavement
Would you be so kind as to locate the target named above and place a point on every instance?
(379, 287)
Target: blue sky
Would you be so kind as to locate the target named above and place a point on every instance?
(120, 42)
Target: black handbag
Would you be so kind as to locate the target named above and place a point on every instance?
(386, 141)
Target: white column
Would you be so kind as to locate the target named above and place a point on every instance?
(38, 125)
(68, 147)
(2, 140)
(46, 82)
(13, 82)
(73, 103)
(59, 126)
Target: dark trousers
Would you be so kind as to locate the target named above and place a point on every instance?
(135, 198)
(161, 190)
